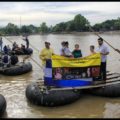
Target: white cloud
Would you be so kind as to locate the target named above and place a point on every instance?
(55, 12)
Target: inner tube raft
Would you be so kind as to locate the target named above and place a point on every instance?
(109, 89)
(50, 98)
(106, 91)
(3, 105)
(18, 69)
(28, 51)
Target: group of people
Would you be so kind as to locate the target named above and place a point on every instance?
(8, 60)
(15, 46)
(47, 52)
(65, 51)
(5, 59)
(7, 55)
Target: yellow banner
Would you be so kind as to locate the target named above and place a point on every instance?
(92, 60)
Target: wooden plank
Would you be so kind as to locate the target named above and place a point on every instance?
(110, 81)
(113, 74)
(86, 87)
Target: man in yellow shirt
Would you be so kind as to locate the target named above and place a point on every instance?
(46, 53)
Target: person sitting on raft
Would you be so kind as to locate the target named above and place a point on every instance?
(14, 59)
(5, 49)
(92, 49)
(77, 52)
(6, 60)
(17, 49)
(23, 48)
(9, 49)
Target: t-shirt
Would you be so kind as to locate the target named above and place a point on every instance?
(46, 54)
(6, 59)
(14, 59)
(67, 52)
(77, 53)
(103, 49)
(61, 51)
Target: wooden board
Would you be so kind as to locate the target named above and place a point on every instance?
(87, 87)
(114, 78)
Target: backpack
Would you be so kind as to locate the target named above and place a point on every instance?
(5, 59)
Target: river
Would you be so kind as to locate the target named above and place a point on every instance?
(13, 87)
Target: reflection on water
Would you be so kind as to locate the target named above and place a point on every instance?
(13, 88)
(112, 110)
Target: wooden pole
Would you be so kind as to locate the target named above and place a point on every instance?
(104, 40)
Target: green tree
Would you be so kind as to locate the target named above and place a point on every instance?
(70, 26)
(80, 23)
(117, 24)
(12, 29)
(97, 27)
(25, 30)
(43, 28)
(60, 27)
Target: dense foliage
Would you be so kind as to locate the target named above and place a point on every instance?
(78, 24)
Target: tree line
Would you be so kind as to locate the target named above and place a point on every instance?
(78, 24)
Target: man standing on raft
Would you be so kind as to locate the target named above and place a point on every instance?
(46, 53)
(104, 51)
(27, 41)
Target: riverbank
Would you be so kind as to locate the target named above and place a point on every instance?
(74, 32)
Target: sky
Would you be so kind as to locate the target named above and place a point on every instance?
(26, 13)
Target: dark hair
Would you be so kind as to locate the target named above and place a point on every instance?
(100, 39)
(63, 42)
(13, 53)
(47, 43)
(66, 43)
(92, 46)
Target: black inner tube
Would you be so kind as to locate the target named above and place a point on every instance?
(50, 98)
(3, 105)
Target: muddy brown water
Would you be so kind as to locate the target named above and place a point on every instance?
(13, 87)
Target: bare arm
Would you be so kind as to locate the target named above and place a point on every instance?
(105, 53)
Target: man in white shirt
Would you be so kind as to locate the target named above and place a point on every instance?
(104, 52)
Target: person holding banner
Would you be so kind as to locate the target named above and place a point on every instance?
(92, 49)
(67, 52)
(46, 53)
(62, 49)
(77, 52)
(104, 52)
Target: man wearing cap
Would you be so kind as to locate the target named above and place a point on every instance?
(104, 51)
(46, 53)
